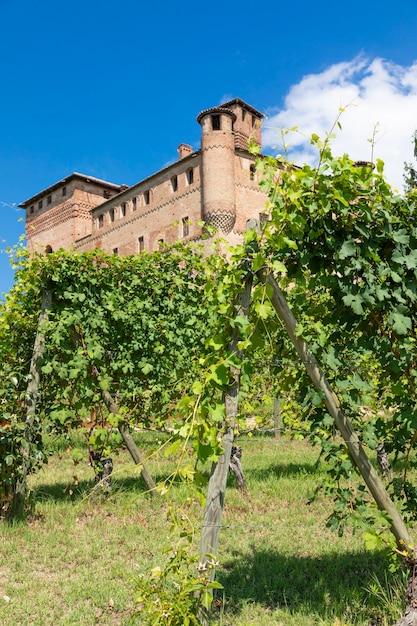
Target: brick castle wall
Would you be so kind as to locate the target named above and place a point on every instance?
(216, 184)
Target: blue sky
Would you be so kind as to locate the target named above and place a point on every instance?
(111, 89)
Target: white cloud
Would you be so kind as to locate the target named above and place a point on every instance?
(379, 96)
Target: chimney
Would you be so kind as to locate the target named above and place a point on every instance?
(184, 150)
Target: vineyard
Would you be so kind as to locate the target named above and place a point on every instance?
(317, 308)
(77, 560)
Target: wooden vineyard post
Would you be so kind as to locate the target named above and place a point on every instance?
(128, 440)
(17, 506)
(123, 428)
(342, 422)
(220, 470)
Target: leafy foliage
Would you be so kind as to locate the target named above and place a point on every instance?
(18, 321)
(172, 595)
(346, 248)
(154, 332)
(131, 326)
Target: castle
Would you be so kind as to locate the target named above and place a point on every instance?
(216, 185)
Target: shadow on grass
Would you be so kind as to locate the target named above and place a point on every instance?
(75, 492)
(278, 470)
(334, 583)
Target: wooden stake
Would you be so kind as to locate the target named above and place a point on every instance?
(333, 405)
(123, 428)
(17, 506)
(219, 472)
(128, 440)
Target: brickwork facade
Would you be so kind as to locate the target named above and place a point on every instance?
(216, 185)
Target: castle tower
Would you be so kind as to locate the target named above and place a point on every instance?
(247, 125)
(218, 187)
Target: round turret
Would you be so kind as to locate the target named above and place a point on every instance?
(218, 168)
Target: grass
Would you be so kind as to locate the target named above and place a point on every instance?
(77, 560)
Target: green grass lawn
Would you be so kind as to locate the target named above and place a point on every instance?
(77, 560)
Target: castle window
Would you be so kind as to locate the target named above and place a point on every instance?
(32, 209)
(147, 197)
(252, 170)
(174, 183)
(111, 215)
(115, 250)
(190, 176)
(49, 199)
(40, 204)
(106, 194)
(185, 226)
(243, 115)
(141, 244)
(160, 243)
(253, 121)
(100, 221)
(134, 203)
(123, 210)
(215, 122)
(64, 191)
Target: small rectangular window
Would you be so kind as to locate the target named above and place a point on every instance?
(253, 121)
(185, 226)
(134, 203)
(141, 244)
(106, 194)
(174, 183)
(111, 215)
(40, 204)
(147, 197)
(49, 199)
(215, 122)
(115, 250)
(32, 209)
(252, 170)
(123, 210)
(190, 176)
(64, 191)
(100, 221)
